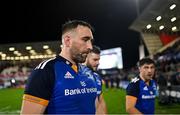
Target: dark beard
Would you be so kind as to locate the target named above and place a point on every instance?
(89, 66)
(79, 58)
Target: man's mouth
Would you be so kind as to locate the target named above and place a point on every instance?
(149, 75)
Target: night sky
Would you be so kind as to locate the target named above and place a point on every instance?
(36, 20)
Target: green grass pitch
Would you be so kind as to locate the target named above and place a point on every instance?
(10, 102)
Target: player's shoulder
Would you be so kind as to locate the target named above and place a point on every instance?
(153, 83)
(135, 80)
(49, 63)
(45, 69)
(45, 64)
(83, 69)
(133, 86)
(95, 73)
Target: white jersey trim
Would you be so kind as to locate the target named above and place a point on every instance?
(43, 64)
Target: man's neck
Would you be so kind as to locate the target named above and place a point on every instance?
(67, 57)
(146, 81)
(87, 66)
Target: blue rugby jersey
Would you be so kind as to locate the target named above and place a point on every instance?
(145, 95)
(66, 91)
(92, 75)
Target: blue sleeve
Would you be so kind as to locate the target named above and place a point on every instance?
(99, 81)
(133, 89)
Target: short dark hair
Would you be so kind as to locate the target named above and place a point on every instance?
(145, 61)
(72, 24)
(96, 49)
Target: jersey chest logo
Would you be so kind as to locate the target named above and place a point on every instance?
(145, 88)
(83, 83)
(68, 75)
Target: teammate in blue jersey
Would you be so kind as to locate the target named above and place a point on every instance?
(55, 85)
(141, 92)
(89, 68)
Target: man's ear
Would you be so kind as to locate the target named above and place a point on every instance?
(67, 40)
(139, 69)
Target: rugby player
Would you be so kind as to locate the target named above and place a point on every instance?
(55, 86)
(141, 92)
(89, 68)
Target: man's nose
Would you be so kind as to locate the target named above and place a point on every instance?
(97, 63)
(150, 70)
(89, 45)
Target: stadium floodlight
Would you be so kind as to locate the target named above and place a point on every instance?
(148, 26)
(11, 49)
(49, 51)
(8, 58)
(12, 58)
(36, 56)
(26, 57)
(3, 58)
(174, 28)
(28, 47)
(161, 27)
(32, 52)
(16, 52)
(158, 18)
(32, 57)
(3, 55)
(172, 6)
(17, 58)
(41, 56)
(21, 58)
(173, 19)
(45, 46)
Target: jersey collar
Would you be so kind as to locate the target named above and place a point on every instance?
(74, 67)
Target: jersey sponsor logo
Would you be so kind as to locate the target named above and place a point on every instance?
(148, 96)
(72, 91)
(68, 75)
(78, 91)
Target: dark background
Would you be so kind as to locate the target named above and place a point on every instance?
(36, 20)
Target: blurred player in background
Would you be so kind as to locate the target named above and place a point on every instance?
(141, 92)
(89, 68)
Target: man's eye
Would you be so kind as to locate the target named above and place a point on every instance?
(86, 40)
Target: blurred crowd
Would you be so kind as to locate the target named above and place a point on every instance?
(15, 73)
(168, 65)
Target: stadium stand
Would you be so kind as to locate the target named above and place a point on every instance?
(18, 59)
(158, 24)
